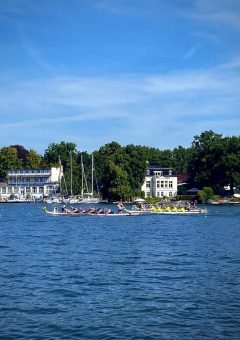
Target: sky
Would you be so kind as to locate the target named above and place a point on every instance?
(144, 72)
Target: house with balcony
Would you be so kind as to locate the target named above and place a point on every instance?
(159, 182)
(34, 183)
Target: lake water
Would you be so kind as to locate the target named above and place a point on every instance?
(147, 277)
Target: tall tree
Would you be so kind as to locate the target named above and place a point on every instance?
(9, 160)
(62, 150)
(231, 162)
(205, 166)
(33, 160)
(180, 159)
(118, 184)
(22, 153)
(67, 153)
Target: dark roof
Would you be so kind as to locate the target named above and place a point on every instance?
(155, 167)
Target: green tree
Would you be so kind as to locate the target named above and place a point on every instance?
(62, 150)
(205, 194)
(135, 166)
(22, 153)
(33, 160)
(206, 160)
(66, 154)
(108, 155)
(215, 161)
(230, 166)
(9, 160)
(119, 187)
(180, 159)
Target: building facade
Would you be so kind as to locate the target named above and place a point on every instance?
(159, 182)
(31, 183)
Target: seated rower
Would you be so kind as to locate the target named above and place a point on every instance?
(91, 211)
(74, 210)
(99, 211)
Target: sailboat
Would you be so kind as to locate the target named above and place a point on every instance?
(88, 196)
(72, 199)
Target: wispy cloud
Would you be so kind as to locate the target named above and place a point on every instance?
(222, 12)
(232, 64)
(192, 51)
(35, 55)
(129, 108)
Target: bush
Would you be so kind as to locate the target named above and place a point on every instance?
(205, 194)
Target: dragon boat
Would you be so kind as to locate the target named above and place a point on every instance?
(169, 211)
(55, 212)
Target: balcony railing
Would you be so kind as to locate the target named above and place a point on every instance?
(29, 172)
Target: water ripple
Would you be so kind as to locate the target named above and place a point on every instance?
(156, 277)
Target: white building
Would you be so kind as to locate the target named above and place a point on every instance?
(159, 182)
(31, 183)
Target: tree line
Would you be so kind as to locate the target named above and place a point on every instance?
(211, 161)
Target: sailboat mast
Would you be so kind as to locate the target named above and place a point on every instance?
(82, 174)
(60, 172)
(92, 174)
(71, 170)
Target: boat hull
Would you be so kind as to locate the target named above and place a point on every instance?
(186, 212)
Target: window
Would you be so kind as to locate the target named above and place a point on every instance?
(9, 190)
(49, 189)
(158, 184)
(34, 190)
(162, 193)
(148, 183)
(170, 194)
(15, 190)
(158, 194)
(170, 184)
(28, 189)
(166, 184)
(4, 190)
(40, 190)
(162, 184)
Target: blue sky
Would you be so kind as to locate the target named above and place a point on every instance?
(147, 72)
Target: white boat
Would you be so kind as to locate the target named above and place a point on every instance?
(18, 200)
(53, 200)
(223, 202)
(138, 200)
(73, 200)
